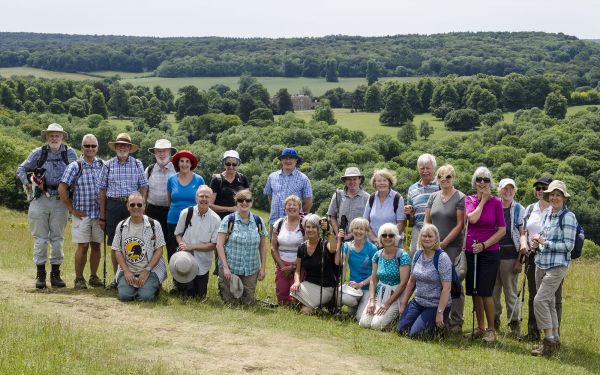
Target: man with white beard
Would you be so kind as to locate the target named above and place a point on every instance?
(157, 174)
(120, 176)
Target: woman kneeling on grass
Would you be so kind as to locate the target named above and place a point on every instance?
(431, 306)
(391, 269)
(138, 247)
(317, 259)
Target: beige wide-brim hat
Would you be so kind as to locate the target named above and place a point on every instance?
(353, 172)
(125, 139)
(162, 144)
(236, 287)
(556, 185)
(54, 127)
(183, 266)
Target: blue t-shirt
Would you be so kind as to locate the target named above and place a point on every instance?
(182, 196)
(360, 262)
(388, 270)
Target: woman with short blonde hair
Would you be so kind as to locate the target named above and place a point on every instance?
(385, 205)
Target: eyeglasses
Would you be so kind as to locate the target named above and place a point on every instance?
(90, 146)
(242, 200)
(138, 205)
(540, 188)
(388, 235)
(448, 177)
(203, 196)
(483, 179)
(230, 164)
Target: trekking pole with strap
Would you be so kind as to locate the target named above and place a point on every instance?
(474, 292)
(406, 243)
(341, 266)
(323, 249)
(520, 294)
(104, 264)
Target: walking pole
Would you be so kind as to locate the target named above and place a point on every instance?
(520, 294)
(406, 235)
(322, 261)
(104, 264)
(474, 292)
(341, 269)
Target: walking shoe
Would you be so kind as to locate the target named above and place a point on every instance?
(489, 337)
(95, 281)
(532, 336)
(112, 285)
(474, 335)
(80, 283)
(40, 279)
(55, 279)
(547, 348)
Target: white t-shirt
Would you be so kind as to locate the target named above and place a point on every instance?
(203, 229)
(288, 241)
(534, 221)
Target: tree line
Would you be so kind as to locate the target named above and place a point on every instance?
(463, 54)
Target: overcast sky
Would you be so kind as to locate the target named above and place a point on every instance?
(281, 18)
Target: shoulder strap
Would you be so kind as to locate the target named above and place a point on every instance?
(64, 154)
(121, 232)
(378, 255)
(516, 214)
(188, 219)
(561, 218)
(219, 178)
(396, 201)
(150, 169)
(436, 259)
(417, 256)
(371, 200)
(230, 223)
(337, 199)
(242, 179)
(152, 225)
(43, 156)
(279, 225)
(259, 223)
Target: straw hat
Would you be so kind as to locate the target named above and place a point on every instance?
(124, 139)
(353, 172)
(162, 144)
(556, 185)
(235, 286)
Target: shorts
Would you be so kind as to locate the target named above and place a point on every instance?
(86, 230)
(488, 263)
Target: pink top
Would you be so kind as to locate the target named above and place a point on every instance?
(491, 218)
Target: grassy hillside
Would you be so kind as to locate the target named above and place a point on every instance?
(41, 73)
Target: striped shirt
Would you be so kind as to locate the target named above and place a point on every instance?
(556, 250)
(120, 243)
(121, 179)
(418, 196)
(86, 185)
(242, 247)
(280, 186)
(54, 165)
(157, 183)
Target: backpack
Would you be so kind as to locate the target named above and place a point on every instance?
(149, 170)
(152, 225)
(398, 256)
(455, 285)
(396, 201)
(579, 235)
(238, 176)
(280, 224)
(188, 219)
(71, 188)
(516, 215)
(231, 223)
(44, 155)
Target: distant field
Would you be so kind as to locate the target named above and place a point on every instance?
(124, 75)
(41, 73)
(317, 86)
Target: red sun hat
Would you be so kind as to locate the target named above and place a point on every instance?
(184, 154)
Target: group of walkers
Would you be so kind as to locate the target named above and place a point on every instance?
(358, 256)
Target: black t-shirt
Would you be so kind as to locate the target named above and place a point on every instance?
(311, 264)
(226, 190)
(507, 246)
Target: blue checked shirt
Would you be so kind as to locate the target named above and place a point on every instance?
(556, 251)
(418, 196)
(86, 186)
(121, 179)
(54, 165)
(242, 247)
(279, 186)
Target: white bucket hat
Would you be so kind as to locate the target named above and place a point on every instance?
(557, 185)
(183, 267)
(235, 286)
(232, 154)
(162, 144)
(54, 127)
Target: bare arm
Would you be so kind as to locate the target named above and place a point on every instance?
(263, 257)
(222, 257)
(168, 198)
(428, 215)
(455, 232)
(410, 286)
(275, 250)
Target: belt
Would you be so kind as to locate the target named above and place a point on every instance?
(52, 197)
(124, 199)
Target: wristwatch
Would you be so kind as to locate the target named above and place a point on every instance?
(440, 311)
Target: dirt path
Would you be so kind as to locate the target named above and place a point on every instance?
(190, 346)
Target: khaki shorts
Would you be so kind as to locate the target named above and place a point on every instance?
(86, 230)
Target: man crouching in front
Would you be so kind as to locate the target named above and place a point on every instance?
(138, 247)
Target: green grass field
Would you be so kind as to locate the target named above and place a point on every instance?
(73, 332)
(123, 75)
(41, 73)
(318, 86)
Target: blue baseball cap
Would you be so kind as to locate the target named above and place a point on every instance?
(290, 153)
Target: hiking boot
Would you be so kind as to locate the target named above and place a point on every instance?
(112, 285)
(489, 337)
(40, 280)
(533, 336)
(474, 335)
(547, 348)
(80, 283)
(515, 328)
(95, 281)
(55, 279)
(497, 323)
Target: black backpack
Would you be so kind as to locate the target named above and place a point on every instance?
(455, 284)
(396, 201)
(44, 155)
(280, 224)
(152, 225)
(231, 223)
(579, 235)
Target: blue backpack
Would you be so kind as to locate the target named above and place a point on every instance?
(455, 284)
(579, 235)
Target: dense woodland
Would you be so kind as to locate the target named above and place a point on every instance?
(463, 54)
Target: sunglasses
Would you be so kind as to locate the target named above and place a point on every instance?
(388, 235)
(90, 146)
(483, 179)
(138, 205)
(230, 164)
(448, 177)
(540, 188)
(242, 200)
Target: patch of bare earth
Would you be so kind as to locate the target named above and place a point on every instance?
(187, 346)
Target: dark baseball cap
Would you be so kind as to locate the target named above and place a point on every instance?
(545, 180)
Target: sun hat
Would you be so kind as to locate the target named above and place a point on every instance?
(54, 127)
(544, 180)
(290, 153)
(124, 139)
(353, 172)
(235, 286)
(184, 154)
(556, 185)
(183, 266)
(232, 154)
(505, 182)
(350, 296)
(162, 144)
